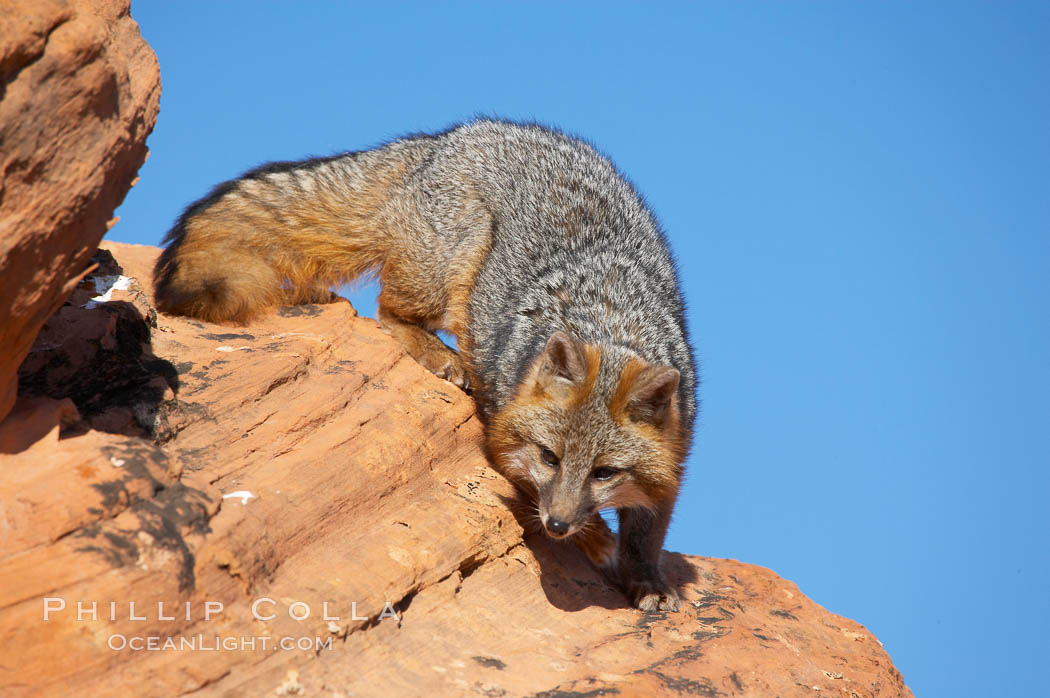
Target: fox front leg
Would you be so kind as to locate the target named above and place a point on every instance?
(638, 565)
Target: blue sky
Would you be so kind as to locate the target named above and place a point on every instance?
(859, 198)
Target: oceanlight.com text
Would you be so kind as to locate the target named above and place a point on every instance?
(215, 643)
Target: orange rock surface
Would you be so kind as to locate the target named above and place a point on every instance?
(306, 465)
(79, 93)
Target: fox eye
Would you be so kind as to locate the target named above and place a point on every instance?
(549, 457)
(603, 474)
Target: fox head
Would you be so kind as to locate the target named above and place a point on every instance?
(590, 429)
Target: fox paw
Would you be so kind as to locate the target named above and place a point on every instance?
(599, 544)
(448, 365)
(454, 373)
(653, 596)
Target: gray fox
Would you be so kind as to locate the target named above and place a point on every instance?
(545, 264)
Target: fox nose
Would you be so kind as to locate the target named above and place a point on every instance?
(557, 527)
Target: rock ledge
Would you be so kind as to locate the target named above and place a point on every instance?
(306, 465)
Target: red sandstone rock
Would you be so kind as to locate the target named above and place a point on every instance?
(79, 92)
(368, 485)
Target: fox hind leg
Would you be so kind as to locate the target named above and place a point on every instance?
(425, 347)
(318, 294)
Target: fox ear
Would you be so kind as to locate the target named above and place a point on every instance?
(651, 394)
(562, 358)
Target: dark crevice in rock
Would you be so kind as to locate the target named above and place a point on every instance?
(99, 355)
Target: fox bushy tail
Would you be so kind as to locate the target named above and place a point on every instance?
(285, 233)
